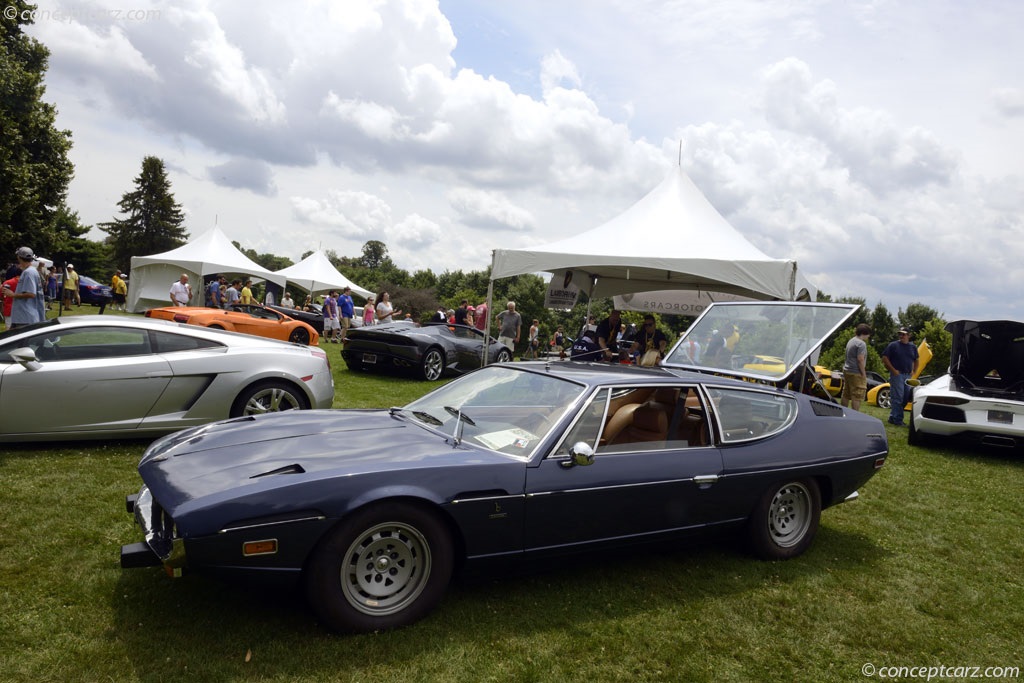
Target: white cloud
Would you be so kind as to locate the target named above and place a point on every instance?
(483, 209)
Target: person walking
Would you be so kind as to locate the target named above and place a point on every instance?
(900, 359)
(510, 324)
(346, 310)
(855, 368)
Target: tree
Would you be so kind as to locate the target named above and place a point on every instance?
(917, 316)
(154, 222)
(34, 167)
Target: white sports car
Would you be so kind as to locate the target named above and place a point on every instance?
(97, 376)
(982, 397)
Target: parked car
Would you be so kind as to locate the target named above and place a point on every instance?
(90, 291)
(110, 376)
(246, 318)
(880, 394)
(832, 380)
(427, 352)
(372, 510)
(315, 319)
(981, 398)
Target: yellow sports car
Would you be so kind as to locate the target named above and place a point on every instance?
(880, 395)
(246, 318)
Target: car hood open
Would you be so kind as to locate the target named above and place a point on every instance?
(987, 356)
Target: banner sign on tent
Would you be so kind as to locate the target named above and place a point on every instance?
(675, 302)
(561, 291)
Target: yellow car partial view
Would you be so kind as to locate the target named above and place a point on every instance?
(881, 395)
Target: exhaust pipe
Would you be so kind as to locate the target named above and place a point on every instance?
(999, 441)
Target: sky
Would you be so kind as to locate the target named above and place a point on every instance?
(877, 143)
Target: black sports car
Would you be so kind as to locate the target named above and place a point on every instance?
(372, 510)
(314, 320)
(427, 351)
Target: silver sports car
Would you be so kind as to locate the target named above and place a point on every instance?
(90, 377)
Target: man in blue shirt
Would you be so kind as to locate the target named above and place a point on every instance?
(28, 306)
(346, 309)
(900, 359)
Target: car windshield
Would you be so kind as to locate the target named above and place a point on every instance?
(503, 409)
(760, 340)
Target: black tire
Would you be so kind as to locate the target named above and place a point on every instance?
(785, 520)
(884, 398)
(386, 566)
(432, 364)
(300, 335)
(504, 356)
(268, 397)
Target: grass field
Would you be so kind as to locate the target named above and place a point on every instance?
(924, 570)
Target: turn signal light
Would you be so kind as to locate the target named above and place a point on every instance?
(265, 547)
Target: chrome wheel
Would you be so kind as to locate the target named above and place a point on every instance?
(785, 520)
(385, 569)
(269, 397)
(789, 515)
(883, 397)
(504, 356)
(385, 566)
(433, 365)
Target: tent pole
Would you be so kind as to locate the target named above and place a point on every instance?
(484, 344)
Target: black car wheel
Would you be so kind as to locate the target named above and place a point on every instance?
(299, 335)
(883, 397)
(385, 567)
(504, 356)
(268, 397)
(432, 366)
(785, 520)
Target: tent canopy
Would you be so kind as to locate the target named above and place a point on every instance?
(673, 238)
(208, 254)
(316, 273)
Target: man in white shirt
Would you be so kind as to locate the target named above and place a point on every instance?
(181, 292)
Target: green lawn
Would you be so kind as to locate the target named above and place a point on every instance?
(923, 570)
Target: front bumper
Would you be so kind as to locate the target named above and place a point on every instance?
(161, 544)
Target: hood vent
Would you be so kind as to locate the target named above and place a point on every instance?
(287, 469)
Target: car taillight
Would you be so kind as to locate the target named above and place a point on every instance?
(180, 318)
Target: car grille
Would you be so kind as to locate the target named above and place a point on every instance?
(157, 525)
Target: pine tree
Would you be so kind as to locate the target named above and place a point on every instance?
(154, 222)
(34, 167)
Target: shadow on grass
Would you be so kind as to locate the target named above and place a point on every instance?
(207, 627)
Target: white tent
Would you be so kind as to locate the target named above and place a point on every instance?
(673, 238)
(316, 273)
(210, 253)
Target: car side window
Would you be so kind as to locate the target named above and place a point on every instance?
(87, 343)
(166, 342)
(665, 417)
(587, 427)
(744, 415)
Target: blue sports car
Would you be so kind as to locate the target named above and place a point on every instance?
(373, 510)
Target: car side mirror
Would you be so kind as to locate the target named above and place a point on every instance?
(27, 358)
(580, 454)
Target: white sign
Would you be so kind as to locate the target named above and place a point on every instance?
(561, 291)
(688, 302)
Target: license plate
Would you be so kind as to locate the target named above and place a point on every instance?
(1001, 416)
(369, 358)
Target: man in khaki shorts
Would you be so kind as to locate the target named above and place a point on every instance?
(855, 371)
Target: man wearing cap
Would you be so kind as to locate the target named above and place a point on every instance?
(28, 304)
(900, 359)
(71, 287)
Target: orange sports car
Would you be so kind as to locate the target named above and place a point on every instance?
(247, 318)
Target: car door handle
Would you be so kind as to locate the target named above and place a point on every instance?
(705, 479)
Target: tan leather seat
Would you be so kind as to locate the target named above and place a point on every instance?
(649, 423)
